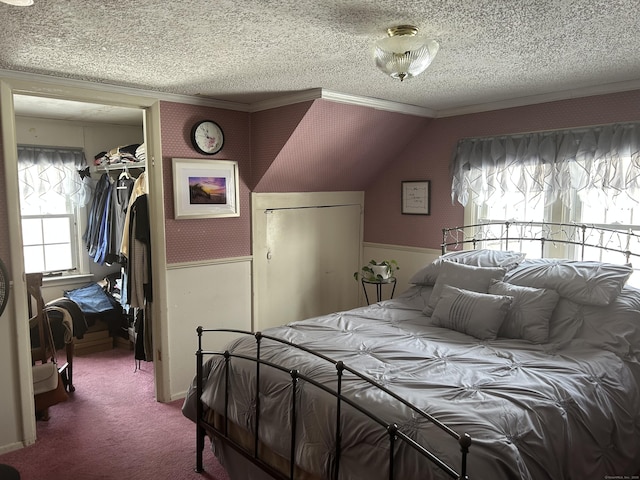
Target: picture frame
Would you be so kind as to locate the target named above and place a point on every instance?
(205, 188)
(416, 197)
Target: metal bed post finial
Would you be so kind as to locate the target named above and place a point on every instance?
(506, 228)
(584, 239)
(465, 443)
(227, 361)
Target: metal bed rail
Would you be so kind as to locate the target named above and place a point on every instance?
(394, 432)
(577, 237)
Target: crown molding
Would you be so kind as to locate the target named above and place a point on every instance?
(279, 101)
(379, 104)
(320, 93)
(329, 95)
(118, 89)
(288, 99)
(604, 89)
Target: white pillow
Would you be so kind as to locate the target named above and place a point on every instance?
(478, 258)
(584, 282)
(473, 313)
(530, 312)
(459, 275)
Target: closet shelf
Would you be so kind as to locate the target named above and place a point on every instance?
(119, 166)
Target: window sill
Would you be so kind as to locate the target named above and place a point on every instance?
(74, 279)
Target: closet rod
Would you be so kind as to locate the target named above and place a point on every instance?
(120, 166)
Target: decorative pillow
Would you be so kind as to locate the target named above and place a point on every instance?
(530, 312)
(473, 313)
(90, 298)
(478, 258)
(459, 275)
(584, 282)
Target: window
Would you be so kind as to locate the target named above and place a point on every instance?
(53, 194)
(589, 176)
(47, 243)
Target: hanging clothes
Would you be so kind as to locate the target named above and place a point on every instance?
(120, 196)
(139, 188)
(139, 286)
(96, 223)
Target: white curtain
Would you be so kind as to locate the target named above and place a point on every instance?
(600, 163)
(43, 171)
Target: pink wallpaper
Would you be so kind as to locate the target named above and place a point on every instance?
(427, 157)
(270, 132)
(202, 239)
(334, 147)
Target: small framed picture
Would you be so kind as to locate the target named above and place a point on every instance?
(205, 188)
(416, 197)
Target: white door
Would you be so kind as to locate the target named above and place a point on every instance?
(309, 256)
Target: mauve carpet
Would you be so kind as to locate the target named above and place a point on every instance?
(111, 427)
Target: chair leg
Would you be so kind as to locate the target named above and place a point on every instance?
(43, 415)
(70, 348)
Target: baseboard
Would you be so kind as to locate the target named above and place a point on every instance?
(11, 447)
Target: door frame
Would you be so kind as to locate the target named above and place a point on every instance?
(90, 93)
(265, 201)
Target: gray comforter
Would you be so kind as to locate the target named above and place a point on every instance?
(550, 411)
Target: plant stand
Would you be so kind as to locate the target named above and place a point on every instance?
(378, 284)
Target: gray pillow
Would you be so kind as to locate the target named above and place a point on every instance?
(583, 282)
(459, 275)
(473, 313)
(530, 312)
(478, 258)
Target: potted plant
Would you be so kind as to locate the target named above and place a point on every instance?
(377, 271)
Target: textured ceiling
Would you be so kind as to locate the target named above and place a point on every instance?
(248, 51)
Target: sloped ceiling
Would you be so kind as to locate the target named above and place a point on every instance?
(332, 147)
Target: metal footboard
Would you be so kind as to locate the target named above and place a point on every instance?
(395, 433)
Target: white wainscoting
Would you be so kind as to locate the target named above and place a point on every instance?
(410, 260)
(212, 295)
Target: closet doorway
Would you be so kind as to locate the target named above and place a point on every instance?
(30, 114)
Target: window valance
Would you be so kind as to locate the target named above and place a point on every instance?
(43, 171)
(599, 163)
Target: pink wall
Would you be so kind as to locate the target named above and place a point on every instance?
(202, 239)
(270, 132)
(427, 157)
(333, 147)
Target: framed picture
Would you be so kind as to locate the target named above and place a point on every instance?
(416, 197)
(205, 188)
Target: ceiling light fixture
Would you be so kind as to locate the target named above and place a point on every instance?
(404, 54)
(18, 3)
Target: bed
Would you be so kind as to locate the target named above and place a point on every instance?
(493, 364)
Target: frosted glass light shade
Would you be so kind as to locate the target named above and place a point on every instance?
(403, 54)
(18, 3)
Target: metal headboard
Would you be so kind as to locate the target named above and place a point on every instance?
(575, 238)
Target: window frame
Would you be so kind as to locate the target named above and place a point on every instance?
(79, 255)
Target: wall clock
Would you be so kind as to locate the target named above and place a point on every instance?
(207, 137)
